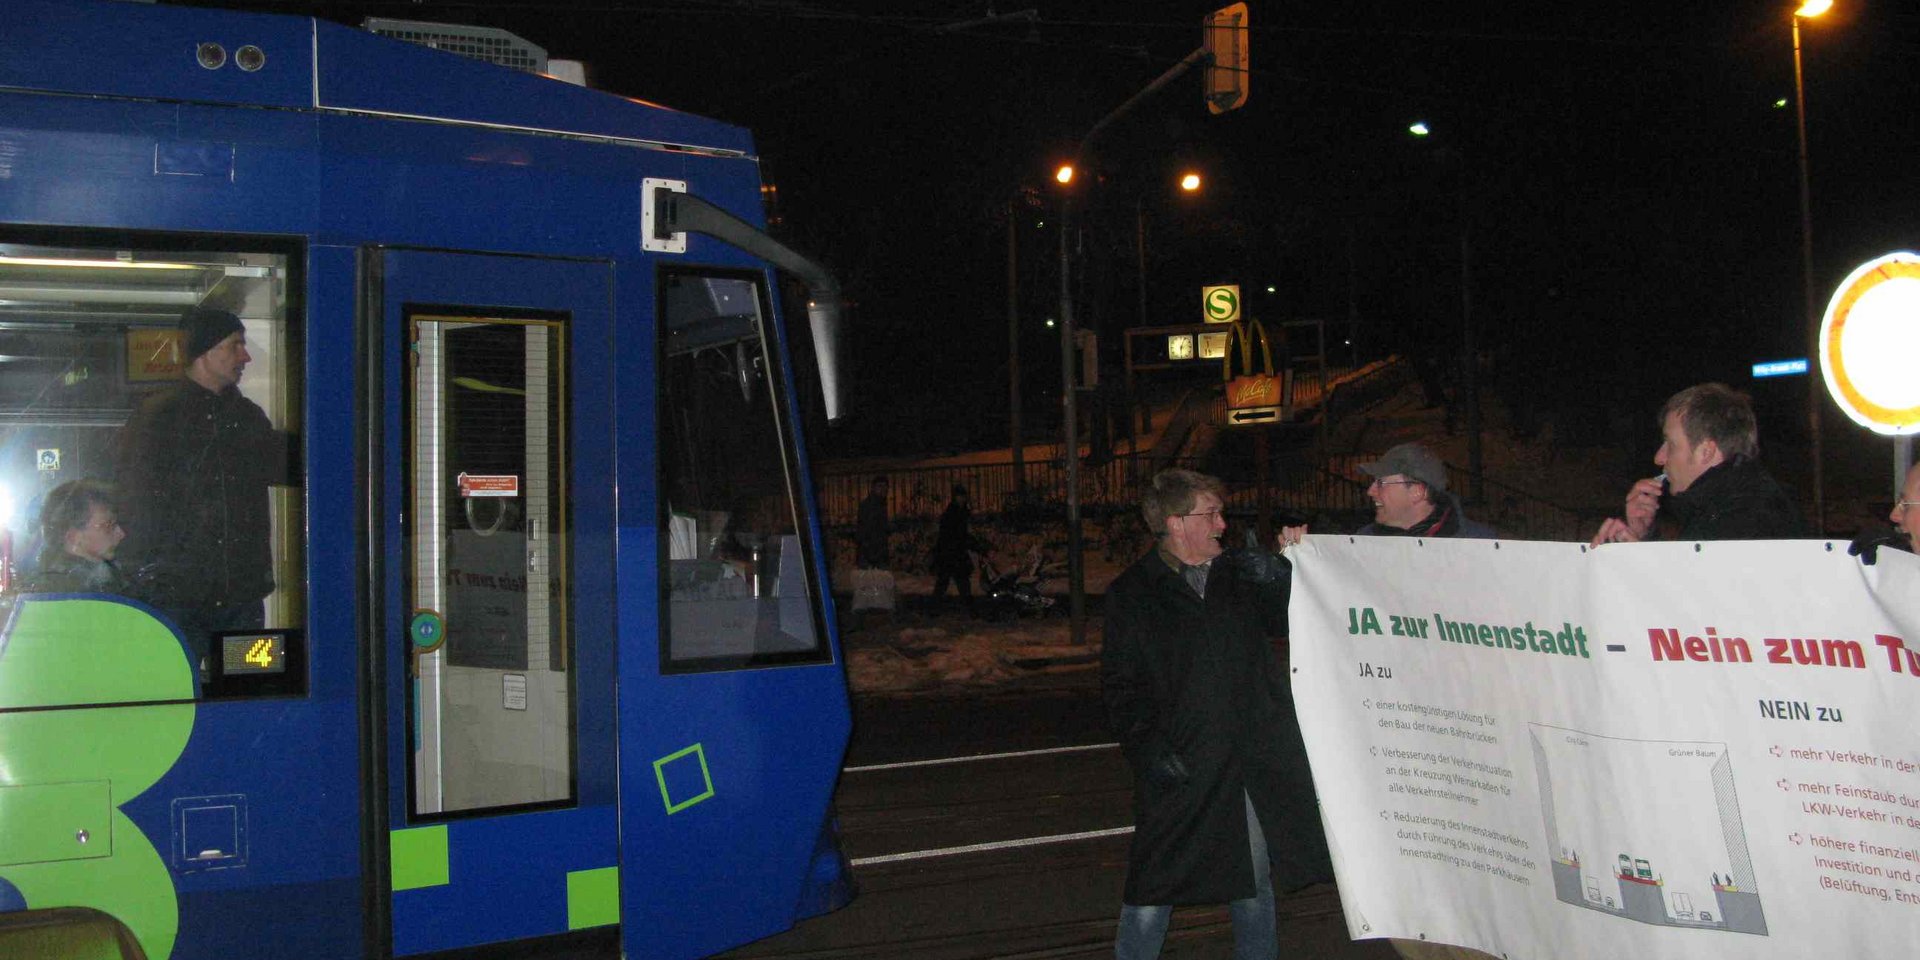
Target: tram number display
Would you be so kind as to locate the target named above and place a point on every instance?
(255, 654)
(256, 663)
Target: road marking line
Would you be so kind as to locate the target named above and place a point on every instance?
(978, 756)
(996, 845)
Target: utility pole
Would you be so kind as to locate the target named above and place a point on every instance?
(1224, 51)
(1017, 444)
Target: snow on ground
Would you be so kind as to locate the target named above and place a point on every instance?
(912, 653)
(926, 645)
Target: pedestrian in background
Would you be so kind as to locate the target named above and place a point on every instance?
(952, 549)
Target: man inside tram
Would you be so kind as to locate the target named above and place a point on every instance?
(80, 533)
(194, 462)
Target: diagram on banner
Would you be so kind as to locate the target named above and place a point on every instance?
(1646, 830)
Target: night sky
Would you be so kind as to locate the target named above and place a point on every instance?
(1625, 180)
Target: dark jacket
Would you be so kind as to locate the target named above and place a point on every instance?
(193, 468)
(1446, 520)
(1197, 680)
(870, 532)
(1736, 500)
(61, 572)
(951, 545)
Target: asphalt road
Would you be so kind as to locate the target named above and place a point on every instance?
(997, 826)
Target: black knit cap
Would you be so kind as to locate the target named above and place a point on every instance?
(205, 327)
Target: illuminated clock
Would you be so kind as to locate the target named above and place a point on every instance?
(1180, 347)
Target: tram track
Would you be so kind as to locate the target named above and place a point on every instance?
(978, 851)
(1194, 933)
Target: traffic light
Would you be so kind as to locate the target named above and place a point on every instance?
(1225, 39)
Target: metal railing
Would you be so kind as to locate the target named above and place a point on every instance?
(1331, 488)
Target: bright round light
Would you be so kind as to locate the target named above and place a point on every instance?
(1813, 8)
(1869, 341)
(1190, 182)
(1420, 129)
(1064, 174)
(1883, 341)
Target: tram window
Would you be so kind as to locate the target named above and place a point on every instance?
(488, 542)
(738, 584)
(168, 372)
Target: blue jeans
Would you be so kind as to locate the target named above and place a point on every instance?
(1143, 929)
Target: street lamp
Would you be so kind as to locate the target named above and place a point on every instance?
(1455, 154)
(1016, 443)
(1807, 11)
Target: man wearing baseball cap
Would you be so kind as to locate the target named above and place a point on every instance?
(1410, 498)
(193, 465)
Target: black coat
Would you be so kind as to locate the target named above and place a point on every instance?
(1736, 500)
(62, 572)
(193, 467)
(1199, 680)
(951, 545)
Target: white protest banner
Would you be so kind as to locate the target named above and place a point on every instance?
(1665, 750)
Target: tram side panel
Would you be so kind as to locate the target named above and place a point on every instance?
(727, 773)
(732, 699)
(244, 828)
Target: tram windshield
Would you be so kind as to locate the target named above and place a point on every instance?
(739, 589)
(149, 428)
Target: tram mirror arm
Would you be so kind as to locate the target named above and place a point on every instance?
(683, 212)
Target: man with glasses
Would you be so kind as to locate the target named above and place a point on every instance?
(1223, 803)
(1410, 498)
(1906, 510)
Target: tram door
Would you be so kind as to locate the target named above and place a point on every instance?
(498, 652)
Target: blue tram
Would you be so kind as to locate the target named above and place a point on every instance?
(544, 658)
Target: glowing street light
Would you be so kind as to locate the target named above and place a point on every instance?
(1064, 174)
(1808, 10)
(1420, 129)
(1190, 182)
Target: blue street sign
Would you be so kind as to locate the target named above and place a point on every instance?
(1780, 368)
